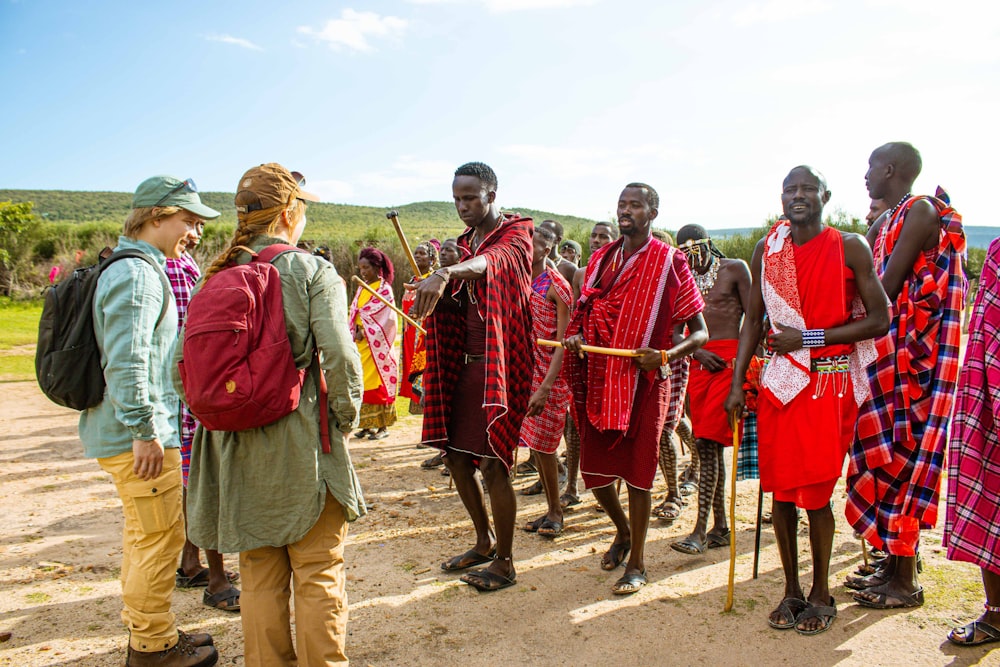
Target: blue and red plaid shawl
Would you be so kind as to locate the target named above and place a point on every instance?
(503, 299)
(895, 466)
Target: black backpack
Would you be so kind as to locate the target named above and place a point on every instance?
(67, 359)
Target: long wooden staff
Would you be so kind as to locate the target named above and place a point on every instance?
(732, 520)
(360, 283)
(394, 216)
(611, 351)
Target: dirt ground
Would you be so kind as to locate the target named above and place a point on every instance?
(60, 599)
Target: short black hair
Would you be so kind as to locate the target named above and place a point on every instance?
(480, 170)
(691, 233)
(652, 198)
(546, 233)
(612, 228)
(556, 227)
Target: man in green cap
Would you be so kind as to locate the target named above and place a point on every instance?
(132, 432)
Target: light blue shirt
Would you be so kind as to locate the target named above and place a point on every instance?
(136, 354)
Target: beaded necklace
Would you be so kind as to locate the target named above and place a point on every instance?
(706, 281)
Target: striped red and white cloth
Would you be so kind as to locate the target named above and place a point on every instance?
(972, 519)
(543, 432)
(894, 475)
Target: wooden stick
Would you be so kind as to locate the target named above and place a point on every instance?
(864, 551)
(756, 538)
(732, 520)
(361, 283)
(394, 216)
(611, 351)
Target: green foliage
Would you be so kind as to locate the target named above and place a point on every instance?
(15, 230)
(20, 322)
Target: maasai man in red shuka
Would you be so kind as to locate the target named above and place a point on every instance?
(724, 284)
(637, 290)
(413, 355)
(972, 521)
(479, 361)
(894, 476)
(375, 334)
(807, 279)
(551, 300)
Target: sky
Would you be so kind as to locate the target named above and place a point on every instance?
(377, 102)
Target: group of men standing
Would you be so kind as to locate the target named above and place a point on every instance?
(861, 359)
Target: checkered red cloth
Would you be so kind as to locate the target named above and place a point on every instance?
(679, 370)
(183, 273)
(543, 432)
(502, 297)
(894, 475)
(972, 518)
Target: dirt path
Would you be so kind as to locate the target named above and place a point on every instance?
(60, 552)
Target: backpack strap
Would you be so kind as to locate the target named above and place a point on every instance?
(138, 254)
(273, 251)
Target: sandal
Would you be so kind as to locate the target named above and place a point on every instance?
(669, 510)
(688, 546)
(486, 581)
(825, 612)
(876, 578)
(533, 526)
(227, 600)
(966, 635)
(533, 490)
(790, 608)
(688, 488)
(716, 540)
(550, 528)
(470, 558)
(629, 583)
(200, 578)
(569, 500)
(380, 434)
(615, 556)
(914, 599)
(433, 462)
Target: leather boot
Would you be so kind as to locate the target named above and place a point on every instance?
(183, 654)
(196, 638)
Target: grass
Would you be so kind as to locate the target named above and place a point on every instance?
(20, 322)
(17, 367)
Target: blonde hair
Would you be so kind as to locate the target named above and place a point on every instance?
(138, 217)
(264, 222)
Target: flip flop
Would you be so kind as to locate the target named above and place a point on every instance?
(533, 490)
(827, 613)
(615, 556)
(914, 599)
(550, 528)
(470, 558)
(486, 581)
(433, 462)
(966, 635)
(717, 540)
(569, 500)
(200, 578)
(629, 583)
(688, 546)
(688, 488)
(789, 608)
(227, 600)
(864, 583)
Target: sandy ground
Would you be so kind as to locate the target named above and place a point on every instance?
(60, 553)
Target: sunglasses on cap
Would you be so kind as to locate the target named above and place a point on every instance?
(186, 184)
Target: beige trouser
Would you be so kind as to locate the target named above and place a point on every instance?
(314, 568)
(152, 540)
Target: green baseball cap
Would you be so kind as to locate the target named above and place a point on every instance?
(171, 191)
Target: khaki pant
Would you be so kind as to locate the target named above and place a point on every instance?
(314, 568)
(152, 540)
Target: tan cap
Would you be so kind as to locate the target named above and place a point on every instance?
(268, 186)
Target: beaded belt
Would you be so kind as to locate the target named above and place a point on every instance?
(831, 372)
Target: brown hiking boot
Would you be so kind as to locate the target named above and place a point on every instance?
(183, 654)
(196, 638)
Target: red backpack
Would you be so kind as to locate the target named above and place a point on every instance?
(238, 370)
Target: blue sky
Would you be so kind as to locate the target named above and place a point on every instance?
(377, 102)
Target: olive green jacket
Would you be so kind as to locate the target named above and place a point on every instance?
(267, 486)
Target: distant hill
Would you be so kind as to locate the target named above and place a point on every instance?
(422, 219)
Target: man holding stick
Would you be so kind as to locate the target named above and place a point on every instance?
(808, 278)
(479, 366)
(636, 291)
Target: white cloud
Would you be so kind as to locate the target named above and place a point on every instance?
(237, 41)
(773, 11)
(409, 175)
(331, 190)
(354, 29)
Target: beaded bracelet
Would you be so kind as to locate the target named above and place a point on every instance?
(814, 338)
(991, 609)
(664, 357)
(443, 274)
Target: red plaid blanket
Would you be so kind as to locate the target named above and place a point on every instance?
(502, 298)
(895, 465)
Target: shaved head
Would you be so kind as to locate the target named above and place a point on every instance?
(903, 156)
(809, 170)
